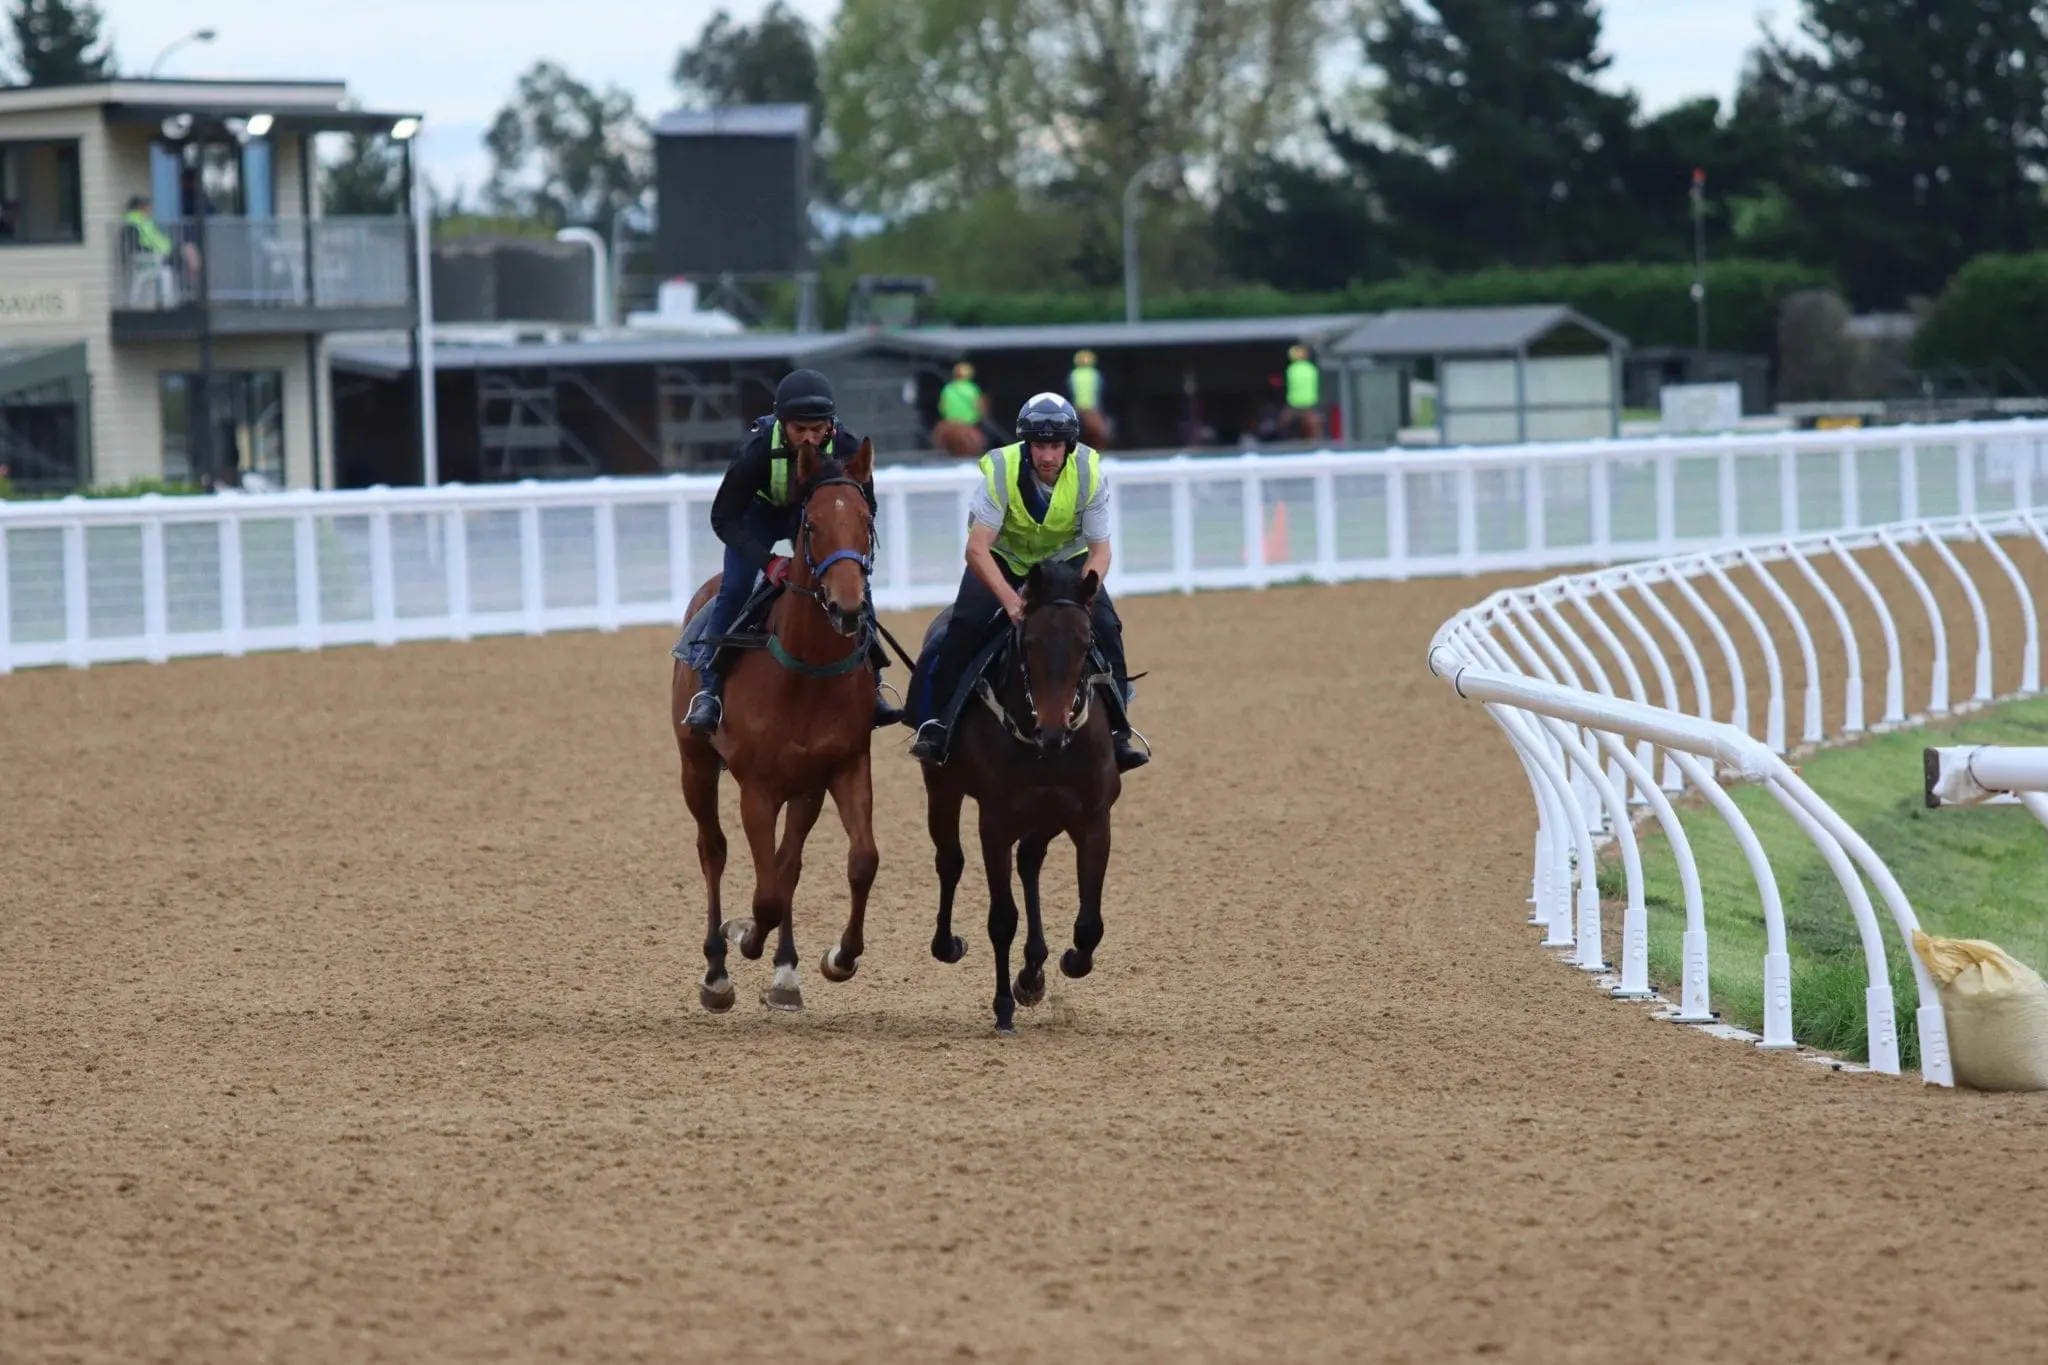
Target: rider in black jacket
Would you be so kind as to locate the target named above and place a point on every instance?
(753, 510)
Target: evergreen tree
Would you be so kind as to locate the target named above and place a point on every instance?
(57, 42)
(1917, 131)
(1500, 147)
(368, 180)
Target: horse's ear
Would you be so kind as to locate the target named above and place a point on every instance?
(1034, 583)
(806, 464)
(862, 465)
(1090, 581)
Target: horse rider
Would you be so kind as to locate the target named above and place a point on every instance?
(1043, 498)
(1304, 385)
(754, 509)
(962, 400)
(1084, 382)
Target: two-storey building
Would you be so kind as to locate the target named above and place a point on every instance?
(168, 281)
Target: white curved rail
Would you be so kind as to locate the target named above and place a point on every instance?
(1567, 663)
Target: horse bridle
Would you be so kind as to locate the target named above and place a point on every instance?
(815, 570)
(1084, 689)
(816, 592)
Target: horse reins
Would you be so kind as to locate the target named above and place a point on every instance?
(1084, 689)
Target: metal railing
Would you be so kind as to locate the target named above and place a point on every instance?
(1606, 651)
(85, 580)
(264, 263)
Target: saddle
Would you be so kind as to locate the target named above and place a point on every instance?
(746, 632)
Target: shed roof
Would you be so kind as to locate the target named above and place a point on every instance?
(1464, 331)
(1163, 332)
(389, 359)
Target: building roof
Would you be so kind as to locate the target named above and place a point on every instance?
(275, 96)
(741, 120)
(1464, 331)
(1165, 332)
(390, 359)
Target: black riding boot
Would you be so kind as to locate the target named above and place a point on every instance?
(885, 713)
(706, 707)
(1127, 756)
(930, 744)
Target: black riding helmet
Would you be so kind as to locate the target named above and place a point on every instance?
(1049, 417)
(805, 396)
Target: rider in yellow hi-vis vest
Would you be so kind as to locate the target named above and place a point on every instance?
(1042, 499)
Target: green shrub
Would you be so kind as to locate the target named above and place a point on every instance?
(1991, 311)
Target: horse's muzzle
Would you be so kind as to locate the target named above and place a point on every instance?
(845, 622)
(1053, 739)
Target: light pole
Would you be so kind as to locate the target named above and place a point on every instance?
(202, 35)
(1699, 254)
(1131, 189)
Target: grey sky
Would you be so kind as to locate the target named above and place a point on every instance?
(456, 60)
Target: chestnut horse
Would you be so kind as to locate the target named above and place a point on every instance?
(797, 721)
(964, 439)
(1039, 762)
(1094, 429)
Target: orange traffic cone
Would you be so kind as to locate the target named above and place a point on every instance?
(1276, 536)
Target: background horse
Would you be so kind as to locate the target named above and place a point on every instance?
(1045, 766)
(964, 439)
(798, 717)
(1094, 429)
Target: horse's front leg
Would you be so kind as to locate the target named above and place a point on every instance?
(758, 811)
(1002, 915)
(1030, 987)
(943, 799)
(853, 793)
(1091, 862)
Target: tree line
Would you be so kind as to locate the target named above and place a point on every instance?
(1325, 145)
(1330, 145)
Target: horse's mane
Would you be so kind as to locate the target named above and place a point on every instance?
(1056, 579)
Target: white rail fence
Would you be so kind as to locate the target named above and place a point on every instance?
(86, 581)
(1988, 775)
(1577, 648)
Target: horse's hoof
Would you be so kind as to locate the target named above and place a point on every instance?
(1029, 989)
(783, 992)
(1076, 964)
(718, 999)
(831, 969)
(736, 931)
(950, 953)
(1005, 1031)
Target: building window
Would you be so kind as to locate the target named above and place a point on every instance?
(40, 449)
(248, 426)
(39, 197)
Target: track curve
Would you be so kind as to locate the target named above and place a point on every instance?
(347, 1010)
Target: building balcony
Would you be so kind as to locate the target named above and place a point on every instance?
(258, 276)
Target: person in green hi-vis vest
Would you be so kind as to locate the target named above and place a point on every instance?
(963, 407)
(1084, 386)
(1304, 394)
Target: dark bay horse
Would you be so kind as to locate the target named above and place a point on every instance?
(1044, 766)
(797, 721)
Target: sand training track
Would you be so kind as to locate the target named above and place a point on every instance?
(348, 1012)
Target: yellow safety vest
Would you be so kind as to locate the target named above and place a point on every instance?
(1024, 540)
(960, 401)
(777, 492)
(1086, 385)
(1303, 380)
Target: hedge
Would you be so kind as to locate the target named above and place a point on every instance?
(1992, 310)
(1651, 305)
